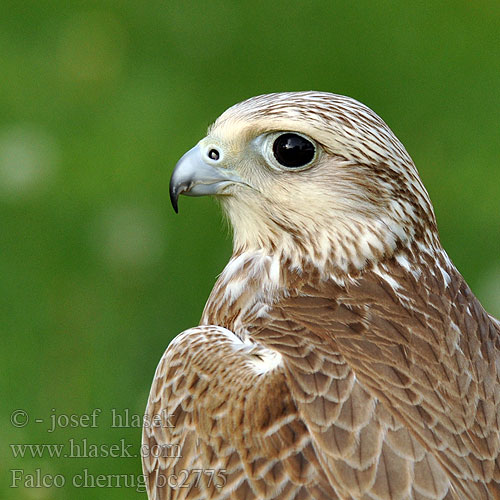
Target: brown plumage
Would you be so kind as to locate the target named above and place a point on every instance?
(340, 354)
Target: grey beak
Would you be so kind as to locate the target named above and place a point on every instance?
(194, 176)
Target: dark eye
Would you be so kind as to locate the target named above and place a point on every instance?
(213, 154)
(293, 150)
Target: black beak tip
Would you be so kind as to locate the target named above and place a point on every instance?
(174, 205)
(174, 197)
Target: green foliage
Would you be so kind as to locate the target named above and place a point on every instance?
(98, 100)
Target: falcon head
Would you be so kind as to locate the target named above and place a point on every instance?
(315, 177)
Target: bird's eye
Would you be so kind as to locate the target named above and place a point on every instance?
(293, 150)
(213, 154)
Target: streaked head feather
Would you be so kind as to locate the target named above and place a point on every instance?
(360, 200)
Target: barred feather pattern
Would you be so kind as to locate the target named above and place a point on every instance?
(356, 372)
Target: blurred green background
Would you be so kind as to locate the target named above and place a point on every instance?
(98, 100)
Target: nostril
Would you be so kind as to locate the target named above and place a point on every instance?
(213, 154)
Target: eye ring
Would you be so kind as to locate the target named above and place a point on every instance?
(293, 151)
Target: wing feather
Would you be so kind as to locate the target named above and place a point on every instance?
(363, 449)
(377, 394)
(234, 418)
(402, 356)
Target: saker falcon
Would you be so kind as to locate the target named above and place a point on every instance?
(340, 354)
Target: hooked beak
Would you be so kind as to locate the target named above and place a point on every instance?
(194, 176)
